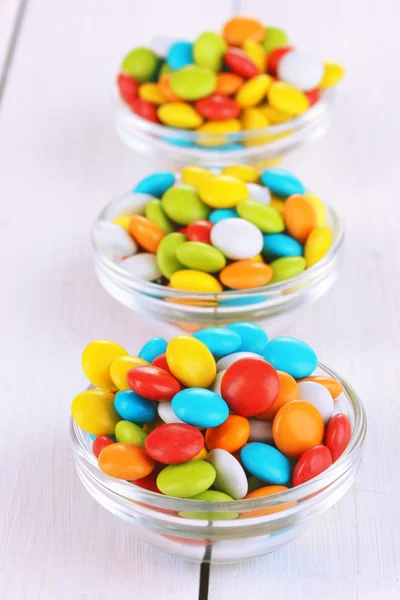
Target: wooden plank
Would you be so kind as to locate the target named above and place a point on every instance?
(11, 16)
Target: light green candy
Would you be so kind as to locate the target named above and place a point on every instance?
(141, 63)
(274, 38)
(264, 216)
(202, 257)
(166, 254)
(130, 433)
(183, 205)
(156, 214)
(187, 479)
(211, 496)
(287, 267)
(193, 82)
(209, 50)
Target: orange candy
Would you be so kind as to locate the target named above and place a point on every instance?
(146, 233)
(300, 217)
(288, 391)
(228, 84)
(268, 490)
(240, 29)
(125, 461)
(246, 274)
(297, 427)
(164, 83)
(333, 386)
(230, 436)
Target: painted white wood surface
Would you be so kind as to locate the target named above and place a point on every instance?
(9, 10)
(59, 162)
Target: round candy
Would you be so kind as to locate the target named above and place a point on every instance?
(287, 267)
(94, 411)
(216, 386)
(238, 62)
(287, 98)
(342, 405)
(209, 50)
(274, 37)
(166, 254)
(218, 108)
(146, 110)
(228, 83)
(238, 239)
(230, 359)
(300, 217)
(312, 463)
(288, 391)
(130, 433)
(291, 355)
(161, 362)
(200, 407)
(253, 337)
(334, 387)
(153, 348)
(141, 64)
(187, 479)
(230, 436)
(297, 427)
(128, 87)
(250, 386)
(301, 70)
(266, 463)
(253, 91)
(174, 443)
(319, 209)
(245, 274)
(220, 214)
(183, 204)
(239, 29)
(147, 234)
(256, 52)
(120, 367)
(210, 496)
(279, 245)
(275, 57)
(164, 84)
(270, 490)
(318, 396)
(150, 481)
(191, 362)
(200, 256)
(219, 341)
(281, 182)
(231, 477)
(193, 82)
(259, 193)
(262, 215)
(194, 175)
(180, 54)
(142, 265)
(179, 114)
(132, 407)
(223, 191)
(333, 73)
(156, 184)
(317, 245)
(125, 461)
(166, 413)
(113, 241)
(100, 442)
(96, 361)
(245, 173)
(153, 383)
(152, 93)
(199, 231)
(338, 435)
(195, 281)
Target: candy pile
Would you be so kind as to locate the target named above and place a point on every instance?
(245, 78)
(206, 233)
(221, 415)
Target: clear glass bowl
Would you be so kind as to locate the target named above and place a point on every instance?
(178, 147)
(272, 306)
(156, 518)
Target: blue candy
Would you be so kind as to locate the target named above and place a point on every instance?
(280, 244)
(132, 407)
(227, 148)
(200, 407)
(253, 338)
(222, 213)
(179, 55)
(282, 183)
(291, 355)
(156, 184)
(153, 348)
(180, 143)
(266, 463)
(246, 300)
(220, 342)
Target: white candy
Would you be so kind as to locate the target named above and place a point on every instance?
(231, 477)
(237, 239)
(259, 193)
(216, 386)
(166, 413)
(301, 70)
(317, 395)
(228, 360)
(130, 204)
(113, 241)
(260, 431)
(341, 405)
(143, 265)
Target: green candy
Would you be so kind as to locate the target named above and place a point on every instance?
(156, 214)
(202, 257)
(209, 50)
(186, 479)
(287, 267)
(193, 82)
(141, 63)
(262, 215)
(166, 254)
(274, 38)
(130, 433)
(211, 496)
(183, 205)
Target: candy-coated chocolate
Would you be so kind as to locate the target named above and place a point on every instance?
(210, 496)
(253, 91)
(96, 361)
(160, 361)
(297, 427)
(200, 256)
(269, 490)
(153, 383)
(150, 481)
(120, 367)
(223, 191)
(195, 281)
(133, 407)
(200, 407)
(94, 411)
(318, 243)
(167, 260)
(130, 433)
(146, 110)
(200, 231)
(220, 214)
(333, 386)
(112, 241)
(266, 463)
(174, 443)
(179, 114)
(311, 464)
(193, 82)
(218, 108)
(152, 93)
(278, 245)
(253, 337)
(238, 239)
(128, 87)
(301, 70)
(141, 64)
(274, 37)
(166, 413)
(300, 217)
(230, 359)
(288, 391)
(230, 436)
(146, 233)
(246, 274)
(238, 62)
(183, 204)
(194, 175)
(231, 477)
(208, 51)
(257, 54)
(333, 73)
(317, 395)
(125, 461)
(100, 442)
(187, 479)
(266, 218)
(259, 193)
(245, 173)
(156, 184)
(228, 83)
(180, 54)
(287, 98)
(220, 341)
(275, 56)
(153, 348)
(191, 361)
(281, 182)
(291, 355)
(338, 435)
(287, 267)
(143, 266)
(239, 29)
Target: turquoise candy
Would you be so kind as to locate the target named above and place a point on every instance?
(279, 244)
(200, 407)
(132, 407)
(266, 463)
(219, 341)
(201, 257)
(222, 213)
(155, 184)
(291, 355)
(282, 183)
(179, 55)
(153, 348)
(252, 337)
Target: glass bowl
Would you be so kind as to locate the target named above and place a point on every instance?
(250, 534)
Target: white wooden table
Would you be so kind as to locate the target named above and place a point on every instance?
(60, 161)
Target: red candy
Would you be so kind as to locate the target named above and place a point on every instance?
(99, 443)
(337, 435)
(174, 443)
(145, 109)
(218, 108)
(311, 463)
(160, 361)
(153, 383)
(313, 96)
(238, 62)
(275, 56)
(200, 231)
(128, 88)
(250, 386)
(150, 481)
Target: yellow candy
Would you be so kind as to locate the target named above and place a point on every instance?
(257, 54)
(274, 115)
(258, 258)
(223, 191)
(332, 75)
(152, 93)
(277, 203)
(194, 281)
(122, 222)
(317, 245)
(253, 118)
(96, 361)
(119, 368)
(245, 173)
(194, 175)
(287, 98)
(253, 91)
(319, 208)
(215, 127)
(94, 411)
(261, 165)
(191, 362)
(202, 455)
(179, 114)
